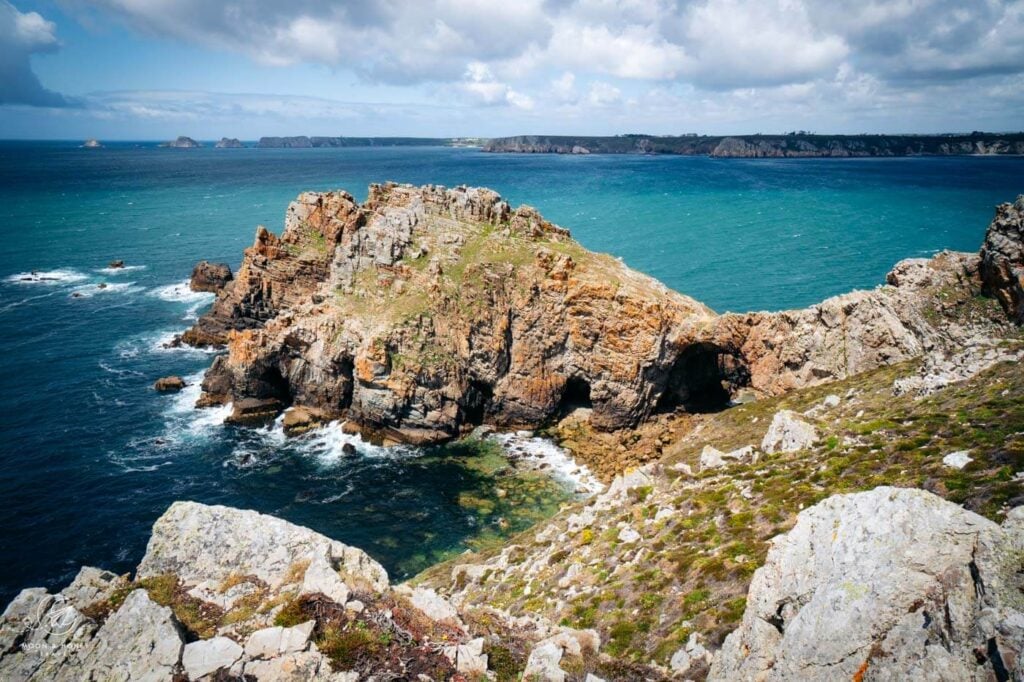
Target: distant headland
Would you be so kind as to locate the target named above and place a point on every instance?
(757, 146)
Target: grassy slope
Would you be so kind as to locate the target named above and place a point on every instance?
(703, 536)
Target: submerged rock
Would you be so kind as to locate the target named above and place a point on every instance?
(887, 584)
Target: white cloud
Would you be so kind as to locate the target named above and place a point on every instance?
(23, 34)
(603, 94)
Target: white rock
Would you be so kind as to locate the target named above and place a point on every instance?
(432, 605)
(209, 655)
(628, 536)
(322, 578)
(894, 570)
(958, 459)
(788, 433)
(468, 658)
(543, 663)
(713, 458)
(200, 542)
(275, 641)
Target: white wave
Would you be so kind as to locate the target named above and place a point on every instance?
(90, 290)
(181, 293)
(543, 455)
(121, 270)
(48, 277)
(327, 445)
(162, 343)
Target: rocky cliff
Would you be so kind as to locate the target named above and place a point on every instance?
(426, 311)
(793, 145)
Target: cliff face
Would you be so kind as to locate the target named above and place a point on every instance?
(1002, 259)
(425, 311)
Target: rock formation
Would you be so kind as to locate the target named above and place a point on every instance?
(169, 384)
(182, 143)
(425, 311)
(886, 584)
(229, 143)
(228, 594)
(92, 144)
(1002, 258)
(211, 277)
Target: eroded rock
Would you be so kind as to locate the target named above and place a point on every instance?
(887, 584)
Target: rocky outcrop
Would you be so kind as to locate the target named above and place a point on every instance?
(886, 584)
(169, 384)
(424, 311)
(1002, 258)
(182, 142)
(211, 277)
(229, 594)
(229, 143)
(92, 144)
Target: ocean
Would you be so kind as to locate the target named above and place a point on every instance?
(91, 455)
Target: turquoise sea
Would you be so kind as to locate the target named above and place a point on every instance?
(90, 455)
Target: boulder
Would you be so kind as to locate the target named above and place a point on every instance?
(889, 584)
(788, 433)
(713, 458)
(171, 384)
(958, 459)
(211, 277)
(198, 542)
(254, 411)
(115, 264)
(209, 655)
(298, 420)
(276, 641)
(542, 664)
(469, 658)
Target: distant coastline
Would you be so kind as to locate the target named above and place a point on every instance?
(793, 145)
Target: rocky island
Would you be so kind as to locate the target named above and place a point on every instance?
(229, 143)
(827, 493)
(182, 142)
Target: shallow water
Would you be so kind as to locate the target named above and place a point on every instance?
(91, 455)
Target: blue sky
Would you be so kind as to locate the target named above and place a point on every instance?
(154, 69)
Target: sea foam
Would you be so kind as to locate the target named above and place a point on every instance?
(543, 455)
(47, 277)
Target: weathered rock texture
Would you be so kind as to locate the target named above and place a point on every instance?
(211, 277)
(228, 594)
(1002, 258)
(886, 584)
(425, 311)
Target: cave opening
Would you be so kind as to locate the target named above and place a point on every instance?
(273, 384)
(575, 395)
(701, 380)
(476, 402)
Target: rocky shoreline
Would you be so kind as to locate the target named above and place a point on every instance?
(862, 518)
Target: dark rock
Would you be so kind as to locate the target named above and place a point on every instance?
(115, 264)
(182, 143)
(210, 277)
(1002, 259)
(170, 384)
(254, 411)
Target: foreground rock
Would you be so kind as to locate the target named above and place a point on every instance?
(229, 594)
(887, 584)
(211, 277)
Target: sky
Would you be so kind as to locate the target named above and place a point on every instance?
(156, 69)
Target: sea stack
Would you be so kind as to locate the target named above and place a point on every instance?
(229, 143)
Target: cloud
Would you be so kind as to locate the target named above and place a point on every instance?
(481, 85)
(23, 34)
